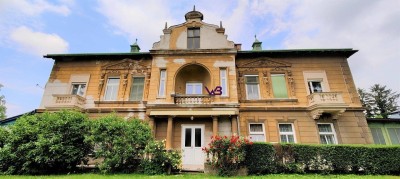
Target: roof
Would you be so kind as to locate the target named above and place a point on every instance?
(14, 118)
(347, 52)
(128, 54)
(383, 119)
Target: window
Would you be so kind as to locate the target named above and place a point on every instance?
(257, 133)
(315, 86)
(112, 89)
(223, 81)
(394, 134)
(193, 38)
(327, 133)
(194, 88)
(279, 85)
(161, 90)
(137, 89)
(286, 133)
(78, 89)
(252, 88)
(377, 134)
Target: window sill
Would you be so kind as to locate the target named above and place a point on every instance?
(277, 100)
(120, 102)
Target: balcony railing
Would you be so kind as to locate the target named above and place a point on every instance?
(68, 101)
(191, 99)
(325, 98)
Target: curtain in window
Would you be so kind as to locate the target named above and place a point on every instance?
(137, 89)
(394, 134)
(378, 136)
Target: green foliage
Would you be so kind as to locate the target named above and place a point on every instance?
(379, 101)
(4, 133)
(45, 143)
(2, 105)
(157, 160)
(261, 158)
(226, 154)
(120, 143)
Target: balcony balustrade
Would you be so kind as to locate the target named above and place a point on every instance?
(67, 101)
(326, 102)
(192, 99)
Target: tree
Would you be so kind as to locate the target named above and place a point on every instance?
(379, 101)
(366, 101)
(119, 143)
(2, 105)
(45, 143)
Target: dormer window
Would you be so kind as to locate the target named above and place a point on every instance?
(193, 38)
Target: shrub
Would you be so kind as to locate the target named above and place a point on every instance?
(120, 143)
(226, 154)
(157, 160)
(45, 143)
(260, 158)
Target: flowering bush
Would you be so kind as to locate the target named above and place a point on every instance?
(158, 160)
(226, 154)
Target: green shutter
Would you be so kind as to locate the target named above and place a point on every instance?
(279, 86)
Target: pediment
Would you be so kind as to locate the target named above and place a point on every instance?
(263, 63)
(125, 64)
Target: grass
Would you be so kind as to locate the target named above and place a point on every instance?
(194, 176)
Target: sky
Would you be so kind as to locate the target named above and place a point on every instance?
(30, 29)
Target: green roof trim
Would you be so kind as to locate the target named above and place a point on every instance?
(341, 52)
(96, 54)
(347, 52)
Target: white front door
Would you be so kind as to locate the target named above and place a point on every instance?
(192, 143)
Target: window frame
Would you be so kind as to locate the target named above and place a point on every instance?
(380, 139)
(286, 85)
(193, 83)
(191, 39)
(287, 133)
(132, 83)
(79, 88)
(328, 133)
(162, 83)
(258, 133)
(311, 87)
(258, 86)
(224, 86)
(117, 88)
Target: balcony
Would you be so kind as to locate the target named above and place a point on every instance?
(326, 102)
(192, 99)
(63, 101)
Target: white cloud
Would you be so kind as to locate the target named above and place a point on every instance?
(369, 26)
(143, 20)
(32, 8)
(38, 43)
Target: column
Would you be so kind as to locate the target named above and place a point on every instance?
(168, 144)
(234, 125)
(215, 125)
(151, 124)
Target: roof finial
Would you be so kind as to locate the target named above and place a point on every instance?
(136, 41)
(194, 7)
(165, 25)
(220, 24)
(255, 37)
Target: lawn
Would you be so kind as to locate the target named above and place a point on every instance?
(199, 176)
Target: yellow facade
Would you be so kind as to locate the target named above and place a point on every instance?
(301, 96)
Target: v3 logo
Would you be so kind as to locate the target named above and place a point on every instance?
(216, 91)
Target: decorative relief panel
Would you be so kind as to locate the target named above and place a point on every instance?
(125, 68)
(263, 66)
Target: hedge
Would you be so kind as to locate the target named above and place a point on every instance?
(264, 158)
